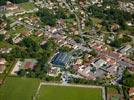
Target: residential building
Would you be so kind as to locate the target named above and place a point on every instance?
(131, 91)
(99, 63)
(11, 6)
(29, 63)
(2, 65)
(54, 71)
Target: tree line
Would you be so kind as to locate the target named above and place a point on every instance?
(112, 15)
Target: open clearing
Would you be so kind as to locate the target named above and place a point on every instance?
(18, 88)
(69, 93)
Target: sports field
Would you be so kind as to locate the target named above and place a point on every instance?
(69, 93)
(18, 89)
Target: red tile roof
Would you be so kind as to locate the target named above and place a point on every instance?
(27, 65)
(131, 90)
(131, 98)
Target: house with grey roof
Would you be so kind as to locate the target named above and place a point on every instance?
(99, 63)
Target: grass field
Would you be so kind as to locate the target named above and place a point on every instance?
(18, 89)
(112, 90)
(69, 93)
(27, 6)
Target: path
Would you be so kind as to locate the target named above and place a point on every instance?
(37, 92)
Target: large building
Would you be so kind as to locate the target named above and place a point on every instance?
(61, 59)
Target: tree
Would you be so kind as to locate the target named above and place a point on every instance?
(41, 75)
(37, 70)
(50, 45)
(49, 78)
(31, 74)
(2, 37)
(112, 3)
(30, 44)
(21, 72)
(131, 56)
(128, 79)
(126, 39)
(47, 17)
(89, 22)
(17, 52)
(93, 53)
(65, 49)
(77, 38)
(113, 14)
(60, 13)
(9, 40)
(116, 43)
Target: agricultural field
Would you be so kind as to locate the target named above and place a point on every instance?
(16, 88)
(69, 93)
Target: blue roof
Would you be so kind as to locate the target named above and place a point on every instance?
(61, 59)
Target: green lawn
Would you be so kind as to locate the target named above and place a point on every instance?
(18, 89)
(28, 6)
(112, 90)
(69, 93)
(18, 29)
(96, 20)
(4, 44)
